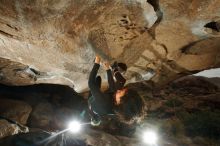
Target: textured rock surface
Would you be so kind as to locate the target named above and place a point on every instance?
(15, 110)
(8, 129)
(185, 112)
(47, 41)
(52, 105)
(42, 115)
(50, 117)
(87, 138)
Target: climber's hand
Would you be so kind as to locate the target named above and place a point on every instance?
(97, 59)
(106, 65)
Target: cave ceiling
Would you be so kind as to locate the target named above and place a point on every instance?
(55, 41)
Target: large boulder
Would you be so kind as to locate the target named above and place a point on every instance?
(88, 138)
(15, 110)
(56, 41)
(42, 116)
(180, 117)
(7, 128)
(47, 116)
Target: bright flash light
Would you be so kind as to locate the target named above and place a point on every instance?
(150, 137)
(74, 126)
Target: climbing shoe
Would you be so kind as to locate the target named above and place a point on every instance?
(95, 121)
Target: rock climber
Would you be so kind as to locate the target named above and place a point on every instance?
(118, 101)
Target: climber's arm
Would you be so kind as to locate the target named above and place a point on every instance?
(111, 81)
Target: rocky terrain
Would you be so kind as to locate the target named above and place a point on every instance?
(185, 112)
(47, 48)
(55, 41)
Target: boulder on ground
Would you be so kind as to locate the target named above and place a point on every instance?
(7, 128)
(15, 110)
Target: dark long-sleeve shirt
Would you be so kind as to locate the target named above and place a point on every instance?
(100, 102)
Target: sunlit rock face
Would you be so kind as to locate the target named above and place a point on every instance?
(56, 41)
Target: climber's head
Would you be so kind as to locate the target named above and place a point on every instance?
(131, 107)
(119, 95)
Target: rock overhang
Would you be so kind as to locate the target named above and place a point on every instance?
(49, 41)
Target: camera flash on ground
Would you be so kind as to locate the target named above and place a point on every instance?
(150, 137)
(74, 126)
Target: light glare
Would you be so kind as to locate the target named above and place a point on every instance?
(150, 137)
(74, 126)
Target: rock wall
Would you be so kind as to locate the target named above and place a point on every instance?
(56, 41)
(185, 112)
(15, 110)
